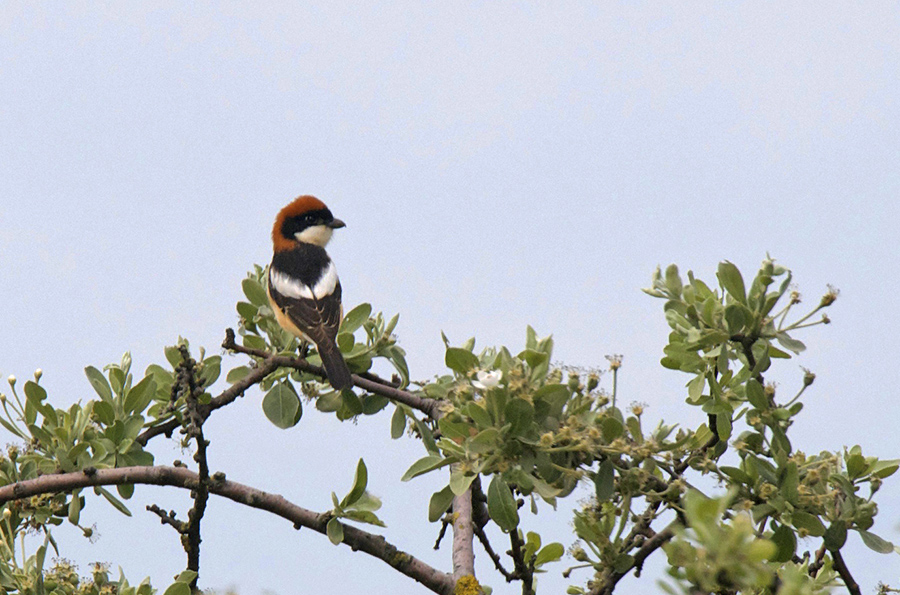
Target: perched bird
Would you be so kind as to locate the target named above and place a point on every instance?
(303, 285)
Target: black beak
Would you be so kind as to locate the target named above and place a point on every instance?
(336, 224)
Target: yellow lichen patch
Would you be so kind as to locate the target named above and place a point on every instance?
(467, 585)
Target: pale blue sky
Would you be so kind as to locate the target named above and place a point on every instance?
(497, 164)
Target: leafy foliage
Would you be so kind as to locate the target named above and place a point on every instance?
(510, 420)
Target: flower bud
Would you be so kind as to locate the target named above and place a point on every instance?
(11, 380)
(38, 373)
(808, 377)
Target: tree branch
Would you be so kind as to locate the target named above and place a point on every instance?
(167, 518)
(368, 382)
(357, 539)
(608, 584)
(524, 568)
(193, 429)
(498, 563)
(841, 567)
(463, 536)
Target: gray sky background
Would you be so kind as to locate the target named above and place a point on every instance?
(497, 164)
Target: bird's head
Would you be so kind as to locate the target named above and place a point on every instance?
(306, 220)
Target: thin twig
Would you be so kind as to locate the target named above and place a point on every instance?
(193, 429)
(524, 568)
(167, 518)
(608, 584)
(368, 382)
(445, 522)
(495, 558)
(268, 363)
(356, 539)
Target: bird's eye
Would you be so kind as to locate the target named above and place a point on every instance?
(309, 218)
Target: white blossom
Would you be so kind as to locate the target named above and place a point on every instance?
(487, 380)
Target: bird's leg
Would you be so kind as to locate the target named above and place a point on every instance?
(304, 349)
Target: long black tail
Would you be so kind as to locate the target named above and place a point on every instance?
(335, 366)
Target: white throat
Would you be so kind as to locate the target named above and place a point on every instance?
(317, 234)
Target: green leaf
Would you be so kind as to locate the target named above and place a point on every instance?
(117, 504)
(186, 576)
(604, 481)
(634, 428)
(673, 280)
(790, 482)
(345, 342)
(885, 468)
(460, 360)
(335, 531)
(460, 482)
(856, 465)
(502, 505)
(35, 392)
(126, 490)
(519, 413)
(75, 507)
(247, 311)
(836, 535)
(735, 317)
(424, 465)
(533, 358)
(282, 406)
(398, 423)
(479, 415)
(364, 516)
(173, 355)
(730, 278)
(811, 523)
(140, 395)
(98, 381)
(875, 543)
(785, 542)
(355, 318)
(210, 370)
(439, 504)
(237, 374)
(372, 404)
(178, 588)
(255, 292)
(736, 474)
(484, 441)
(790, 344)
(532, 544)
(549, 553)
(360, 480)
(611, 428)
(351, 402)
(367, 501)
(756, 394)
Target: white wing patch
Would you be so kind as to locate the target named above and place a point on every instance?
(294, 288)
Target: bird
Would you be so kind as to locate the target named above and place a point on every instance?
(303, 286)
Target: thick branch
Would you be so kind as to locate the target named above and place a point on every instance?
(463, 536)
(357, 539)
